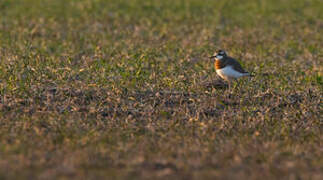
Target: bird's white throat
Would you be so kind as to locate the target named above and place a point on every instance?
(219, 57)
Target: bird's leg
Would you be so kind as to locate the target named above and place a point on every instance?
(229, 83)
(239, 84)
(231, 88)
(236, 84)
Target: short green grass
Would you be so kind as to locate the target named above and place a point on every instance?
(117, 89)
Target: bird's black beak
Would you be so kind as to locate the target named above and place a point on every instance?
(211, 57)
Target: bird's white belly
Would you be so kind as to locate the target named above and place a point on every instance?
(228, 73)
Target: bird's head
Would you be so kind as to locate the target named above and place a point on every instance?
(220, 54)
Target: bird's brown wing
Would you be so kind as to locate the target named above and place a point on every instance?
(235, 65)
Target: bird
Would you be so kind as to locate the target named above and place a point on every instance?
(227, 67)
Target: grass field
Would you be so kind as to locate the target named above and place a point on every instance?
(123, 89)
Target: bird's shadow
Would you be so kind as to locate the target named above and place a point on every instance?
(216, 84)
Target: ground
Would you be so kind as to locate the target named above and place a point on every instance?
(99, 89)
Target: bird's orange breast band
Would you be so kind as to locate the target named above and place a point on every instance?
(218, 64)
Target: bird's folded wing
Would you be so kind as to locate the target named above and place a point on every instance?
(236, 65)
